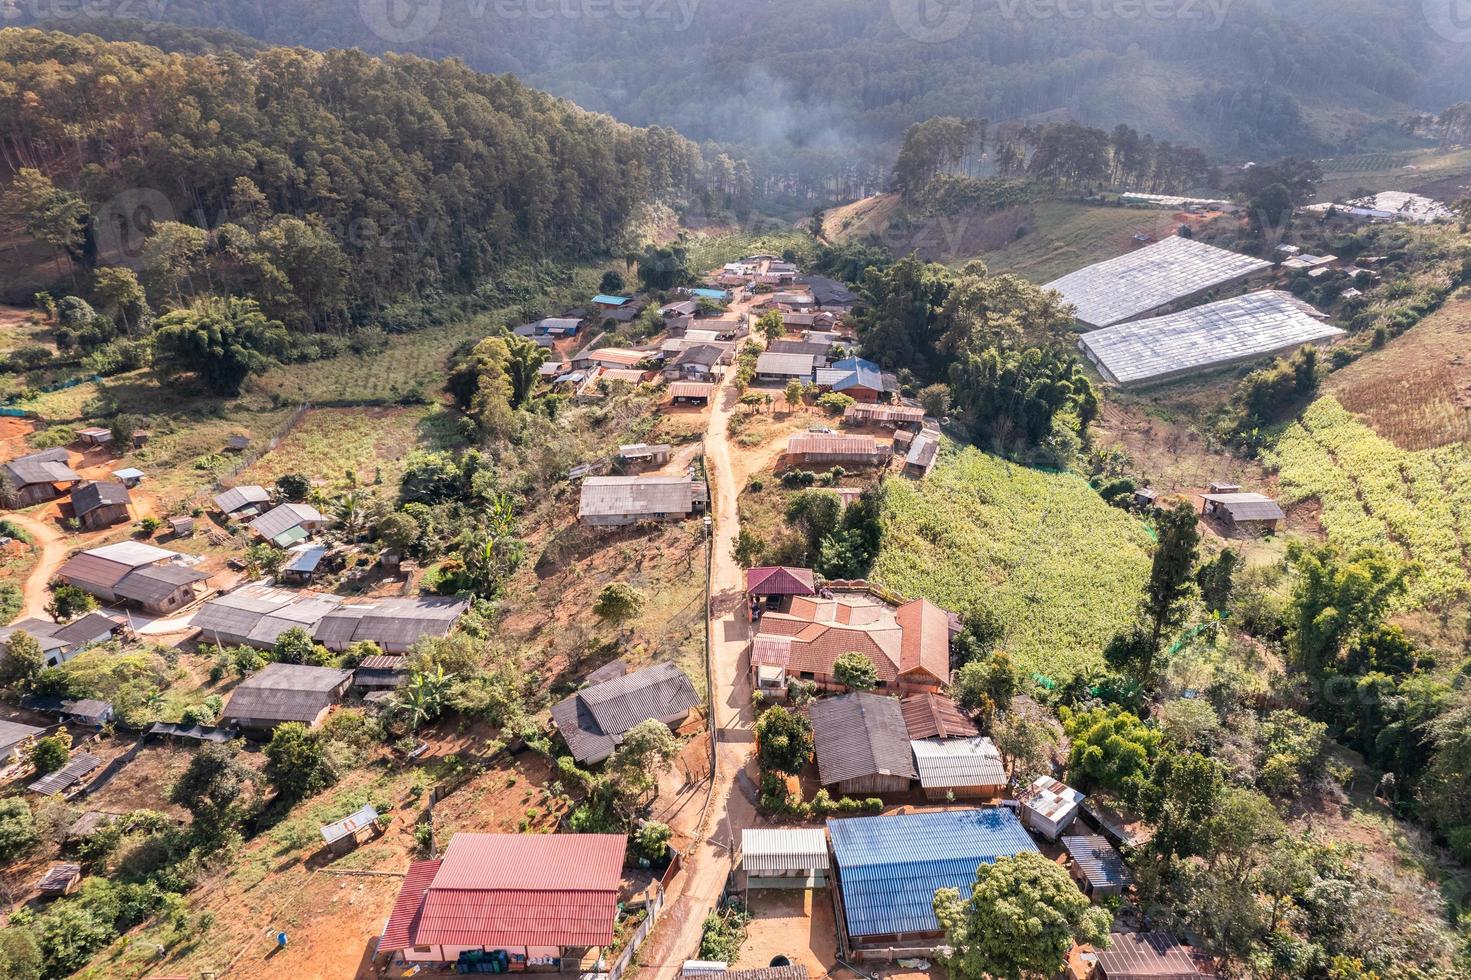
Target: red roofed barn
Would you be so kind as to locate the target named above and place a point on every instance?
(544, 897)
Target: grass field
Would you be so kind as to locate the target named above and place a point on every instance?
(1060, 567)
(371, 443)
(1390, 171)
(1065, 236)
(1375, 495)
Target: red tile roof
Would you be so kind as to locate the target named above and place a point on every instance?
(926, 645)
(512, 890)
(936, 716)
(780, 580)
(406, 909)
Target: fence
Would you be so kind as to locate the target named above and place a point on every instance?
(625, 958)
(222, 480)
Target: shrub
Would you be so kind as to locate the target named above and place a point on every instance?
(17, 828)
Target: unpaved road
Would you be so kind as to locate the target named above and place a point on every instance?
(53, 552)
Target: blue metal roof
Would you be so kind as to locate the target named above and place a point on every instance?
(858, 373)
(603, 299)
(711, 293)
(306, 560)
(891, 866)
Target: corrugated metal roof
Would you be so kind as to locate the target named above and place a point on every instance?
(784, 849)
(304, 561)
(1098, 861)
(239, 498)
(814, 443)
(1051, 799)
(350, 824)
(400, 925)
(13, 733)
(620, 496)
(154, 583)
(92, 496)
(691, 389)
(1247, 506)
(858, 735)
(76, 767)
(854, 372)
(786, 365)
(862, 412)
(25, 472)
(1155, 955)
(780, 580)
(956, 762)
(890, 867)
(281, 521)
(592, 721)
(1134, 283)
(935, 716)
(132, 553)
(90, 628)
(285, 692)
(88, 570)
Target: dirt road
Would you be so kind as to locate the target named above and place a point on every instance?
(729, 812)
(53, 552)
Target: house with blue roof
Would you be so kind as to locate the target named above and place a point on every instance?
(606, 302)
(889, 868)
(718, 295)
(858, 379)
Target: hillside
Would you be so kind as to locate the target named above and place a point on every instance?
(1040, 550)
(1242, 80)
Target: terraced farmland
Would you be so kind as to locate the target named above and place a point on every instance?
(1416, 504)
(1043, 551)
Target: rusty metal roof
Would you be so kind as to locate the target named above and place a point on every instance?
(935, 716)
(780, 580)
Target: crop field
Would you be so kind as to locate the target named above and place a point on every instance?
(1431, 171)
(1061, 568)
(372, 443)
(1376, 495)
(707, 252)
(1064, 236)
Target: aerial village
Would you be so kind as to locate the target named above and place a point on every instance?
(839, 779)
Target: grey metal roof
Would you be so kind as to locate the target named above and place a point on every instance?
(285, 692)
(154, 583)
(618, 496)
(76, 767)
(337, 627)
(859, 735)
(593, 720)
(1137, 282)
(1247, 506)
(46, 466)
(89, 570)
(923, 450)
(305, 560)
(952, 762)
(279, 520)
(239, 498)
(41, 630)
(783, 849)
(787, 365)
(401, 622)
(1136, 955)
(13, 733)
(1241, 328)
(132, 553)
(92, 496)
(201, 733)
(90, 628)
(350, 824)
(1098, 861)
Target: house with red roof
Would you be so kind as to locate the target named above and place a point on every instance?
(908, 644)
(546, 900)
(771, 586)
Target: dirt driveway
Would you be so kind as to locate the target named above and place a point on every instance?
(53, 545)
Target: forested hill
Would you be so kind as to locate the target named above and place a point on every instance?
(1236, 77)
(322, 178)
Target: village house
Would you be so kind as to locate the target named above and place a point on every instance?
(94, 436)
(37, 478)
(820, 449)
(908, 645)
(544, 901)
(774, 368)
(887, 884)
(1249, 513)
(97, 505)
(131, 571)
(932, 715)
(1148, 956)
(860, 380)
(1049, 806)
(14, 740)
(690, 392)
(861, 745)
(887, 416)
(383, 673)
(696, 363)
(959, 768)
(609, 357)
(1096, 865)
(242, 502)
(817, 351)
(770, 586)
(257, 615)
(593, 720)
(645, 454)
(924, 449)
(288, 524)
(784, 857)
(614, 501)
(604, 302)
(60, 642)
(129, 476)
(279, 693)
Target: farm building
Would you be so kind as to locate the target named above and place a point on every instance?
(861, 744)
(965, 768)
(37, 478)
(680, 308)
(257, 615)
(285, 692)
(605, 302)
(129, 476)
(782, 368)
(384, 673)
(935, 716)
(888, 416)
(690, 392)
(288, 524)
(544, 899)
(14, 737)
(77, 768)
(889, 868)
(343, 836)
(1148, 956)
(924, 449)
(302, 563)
(612, 501)
(656, 454)
(1215, 335)
(60, 879)
(1139, 283)
(242, 502)
(60, 642)
(94, 435)
(1049, 807)
(1099, 868)
(822, 449)
(860, 380)
(1251, 513)
(97, 504)
(594, 719)
(908, 645)
(133, 571)
(784, 858)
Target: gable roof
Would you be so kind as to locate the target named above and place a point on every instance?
(780, 580)
(700, 354)
(859, 735)
(1247, 506)
(593, 721)
(511, 890)
(285, 692)
(1155, 955)
(891, 866)
(818, 443)
(239, 498)
(926, 640)
(789, 365)
(41, 630)
(935, 716)
(12, 733)
(281, 521)
(90, 628)
(603, 299)
(46, 466)
(852, 372)
(1098, 861)
(620, 496)
(783, 849)
(154, 583)
(952, 762)
(68, 775)
(105, 567)
(96, 495)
